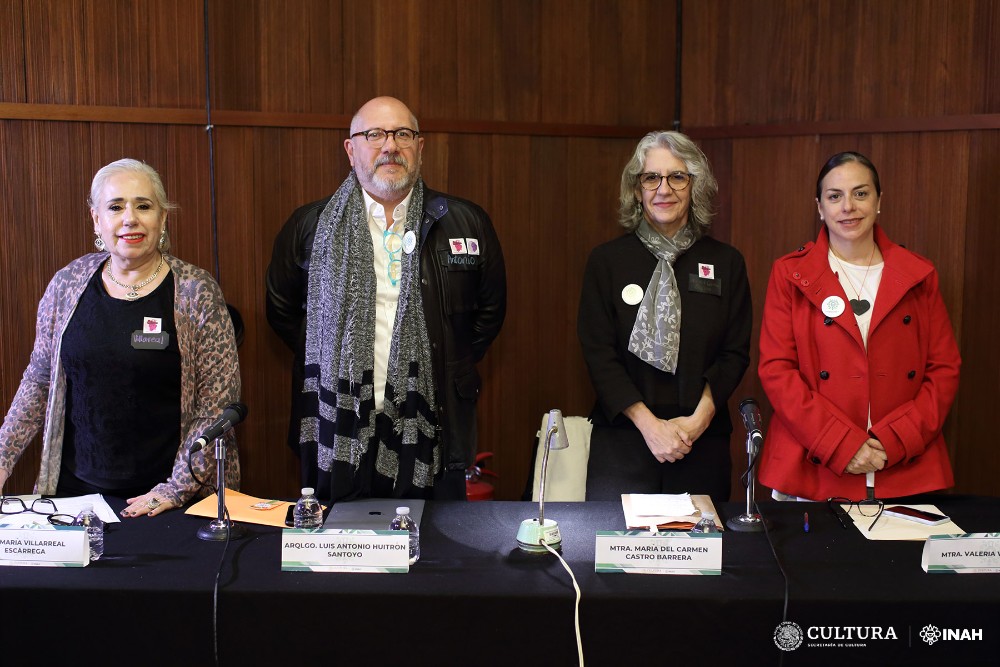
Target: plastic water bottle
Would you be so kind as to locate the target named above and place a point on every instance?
(308, 511)
(706, 524)
(95, 530)
(404, 521)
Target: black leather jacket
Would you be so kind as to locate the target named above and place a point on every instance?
(465, 301)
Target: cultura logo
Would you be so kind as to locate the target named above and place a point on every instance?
(930, 634)
(788, 636)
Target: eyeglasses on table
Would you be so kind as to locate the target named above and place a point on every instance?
(10, 505)
(869, 507)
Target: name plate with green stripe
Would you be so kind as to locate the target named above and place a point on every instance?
(972, 553)
(643, 552)
(44, 546)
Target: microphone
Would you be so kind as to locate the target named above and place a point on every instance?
(752, 421)
(230, 417)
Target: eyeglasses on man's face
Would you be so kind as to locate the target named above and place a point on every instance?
(376, 137)
(676, 180)
(43, 506)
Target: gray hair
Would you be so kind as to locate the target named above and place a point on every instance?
(131, 166)
(128, 165)
(703, 185)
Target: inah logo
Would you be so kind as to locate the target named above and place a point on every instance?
(930, 634)
(788, 636)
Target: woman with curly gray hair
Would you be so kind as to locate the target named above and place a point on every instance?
(664, 323)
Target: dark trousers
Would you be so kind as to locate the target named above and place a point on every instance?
(620, 462)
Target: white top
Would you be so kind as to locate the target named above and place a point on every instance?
(386, 294)
(859, 282)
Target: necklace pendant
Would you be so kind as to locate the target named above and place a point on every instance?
(860, 306)
(132, 295)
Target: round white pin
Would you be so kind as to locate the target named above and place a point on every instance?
(409, 242)
(833, 306)
(632, 294)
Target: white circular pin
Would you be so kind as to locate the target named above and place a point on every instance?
(833, 306)
(632, 294)
(409, 242)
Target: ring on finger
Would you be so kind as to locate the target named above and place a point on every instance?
(153, 503)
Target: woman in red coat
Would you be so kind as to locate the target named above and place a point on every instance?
(857, 355)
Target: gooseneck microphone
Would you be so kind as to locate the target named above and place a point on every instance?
(750, 520)
(230, 417)
(752, 421)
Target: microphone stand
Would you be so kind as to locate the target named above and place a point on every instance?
(222, 528)
(749, 521)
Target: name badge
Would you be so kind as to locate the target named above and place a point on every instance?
(45, 546)
(460, 262)
(643, 552)
(150, 341)
(973, 553)
(704, 285)
(343, 550)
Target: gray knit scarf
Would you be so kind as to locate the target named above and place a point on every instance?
(656, 334)
(340, 415)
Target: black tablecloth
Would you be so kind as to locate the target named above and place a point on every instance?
(475, 599)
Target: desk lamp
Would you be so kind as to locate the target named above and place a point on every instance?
(533, 532)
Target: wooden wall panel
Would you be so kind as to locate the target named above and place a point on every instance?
(114, 52)
(783, 60)
(975, 454)
(11, 53)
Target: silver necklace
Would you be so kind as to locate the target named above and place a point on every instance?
(133, 292)
(859, 306)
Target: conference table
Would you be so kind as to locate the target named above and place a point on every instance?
(475, 599)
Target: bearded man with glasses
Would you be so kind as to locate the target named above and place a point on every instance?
(389, 293)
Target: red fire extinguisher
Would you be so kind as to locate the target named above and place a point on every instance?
(477, 488)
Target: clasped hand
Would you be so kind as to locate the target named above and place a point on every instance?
(669, 440)
(870, 457)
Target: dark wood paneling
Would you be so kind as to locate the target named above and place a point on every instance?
(114, 52)
(11, 52)
(785, 60)
(976, 457)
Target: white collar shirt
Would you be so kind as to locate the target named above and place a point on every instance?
(386, 294)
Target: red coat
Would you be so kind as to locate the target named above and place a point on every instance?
(821, 381)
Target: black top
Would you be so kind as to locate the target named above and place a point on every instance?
(122, 404)
(716, 320)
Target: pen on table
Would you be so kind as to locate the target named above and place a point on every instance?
(805, 522)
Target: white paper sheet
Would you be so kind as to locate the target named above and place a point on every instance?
(71, 506)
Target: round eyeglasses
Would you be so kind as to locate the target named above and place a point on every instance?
(376, 137)
(393, 243)
(676, 180)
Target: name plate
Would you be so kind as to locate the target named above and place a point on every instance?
(962, 554)
(341, 550)
(643, 552)
(45, 546)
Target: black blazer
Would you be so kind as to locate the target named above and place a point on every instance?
(716, 321)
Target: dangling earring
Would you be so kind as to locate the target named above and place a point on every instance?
(163, 239)
(98, 243)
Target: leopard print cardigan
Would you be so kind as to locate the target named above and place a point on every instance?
(210, 378)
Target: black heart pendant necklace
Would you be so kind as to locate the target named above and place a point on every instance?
(859, 306)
